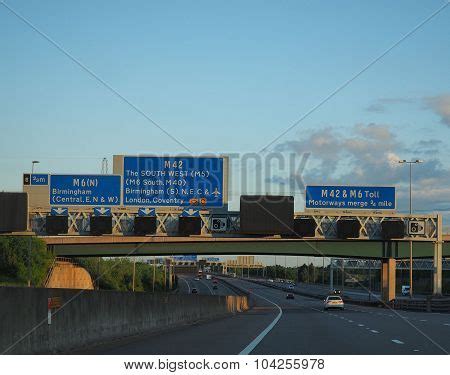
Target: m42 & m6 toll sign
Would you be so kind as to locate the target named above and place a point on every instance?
(173, 181)
(351, 197)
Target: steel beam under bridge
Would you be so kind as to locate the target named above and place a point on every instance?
(83, 246)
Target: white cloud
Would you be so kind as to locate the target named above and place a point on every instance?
(441, 106)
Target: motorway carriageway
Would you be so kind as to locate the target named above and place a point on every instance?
(275, 325)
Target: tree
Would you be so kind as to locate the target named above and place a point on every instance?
(22, 257)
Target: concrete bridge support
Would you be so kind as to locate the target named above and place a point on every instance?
(388, 266)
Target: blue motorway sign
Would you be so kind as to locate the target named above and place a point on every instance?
(351, 197)
(173, 181)
(39, 179)
(146, 211)
(59, 211)
(185, 258)
(85, 190)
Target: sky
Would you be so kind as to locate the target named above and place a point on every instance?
(230, 77)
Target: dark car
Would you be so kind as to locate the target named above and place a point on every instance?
(335, 292)
(194, 291)
(290, 296)
(214, 286)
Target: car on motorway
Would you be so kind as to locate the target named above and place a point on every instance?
(214, 287)
(405, 290)
(333, 302)
(215, 281)
(197, 279)
(194, 291)
(291, 286)
(335, 292)
(290, 296)
(270, 280)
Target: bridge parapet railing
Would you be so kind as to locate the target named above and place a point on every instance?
(167, 223)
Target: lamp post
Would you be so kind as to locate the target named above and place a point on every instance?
(410, 163)
(32, 165)
(29, 239)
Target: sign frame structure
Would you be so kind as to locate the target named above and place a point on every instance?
(388, 210)
(93, 204)
(119, 166)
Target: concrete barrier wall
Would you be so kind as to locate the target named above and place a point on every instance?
(91, 317)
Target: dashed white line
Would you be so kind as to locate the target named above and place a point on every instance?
(395, 341)
(416, 350)
(360, 325)
(374, 331)
(350, 321)
(423, 320)
(447, 324)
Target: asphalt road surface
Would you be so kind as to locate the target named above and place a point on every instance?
(187, 282)
(276, 325)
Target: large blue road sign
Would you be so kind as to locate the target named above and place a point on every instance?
(85, 190)
(351, 197)
(173, 181)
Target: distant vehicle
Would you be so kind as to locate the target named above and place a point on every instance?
(199, 274)
(335, 292)
(208, 277)
(270, 280)
(333, 302)
(214, 287)
(194, 291)
(405, 290)
(290, 296)
(197, 279)
(215, 281)
(281, 281)
(291, 286)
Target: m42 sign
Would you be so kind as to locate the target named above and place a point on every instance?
(173, 181)
(350, 197)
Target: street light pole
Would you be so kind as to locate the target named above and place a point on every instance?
(32, 165)
(411, 162)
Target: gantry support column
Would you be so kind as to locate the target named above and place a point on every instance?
(437, 260)
(388, 279)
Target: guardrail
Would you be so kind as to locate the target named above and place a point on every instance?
(429, 304)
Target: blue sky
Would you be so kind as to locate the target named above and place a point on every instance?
(223, 77)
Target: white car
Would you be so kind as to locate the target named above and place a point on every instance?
(270, 280)
(333, 302)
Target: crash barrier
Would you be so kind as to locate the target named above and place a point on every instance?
(39, 320)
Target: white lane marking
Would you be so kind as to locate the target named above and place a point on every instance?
(416, 350)
(226, 286)
(350, 321)
(201, 281)
(374, 331)
(360, 325)
(423, 320)
(395, 341)
(250, 347)
(446, 324)
(189, 287)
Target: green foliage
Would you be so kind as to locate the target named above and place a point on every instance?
(117, 274)
(21, 257)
